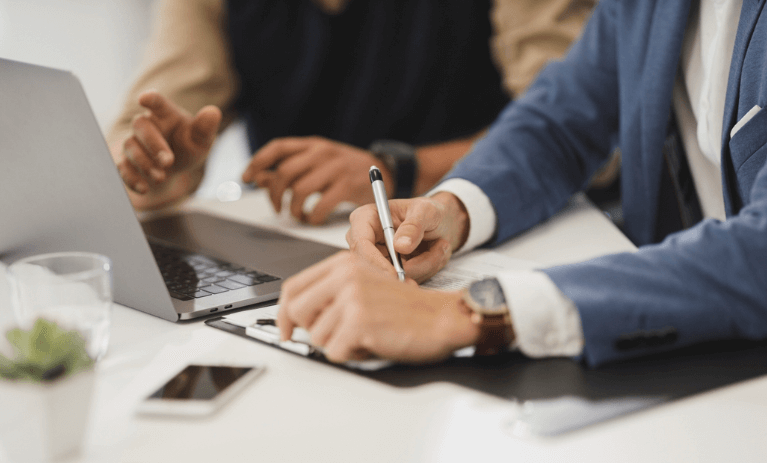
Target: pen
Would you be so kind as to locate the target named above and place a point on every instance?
(384, 214)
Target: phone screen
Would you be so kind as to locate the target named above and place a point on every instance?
(200, 382)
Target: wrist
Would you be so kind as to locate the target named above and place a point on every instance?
(457, 328)
(456, 211)
(177, 187)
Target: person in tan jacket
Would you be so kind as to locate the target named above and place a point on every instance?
(321, 82)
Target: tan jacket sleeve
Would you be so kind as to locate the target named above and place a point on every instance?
(529, 33)
(187, 59)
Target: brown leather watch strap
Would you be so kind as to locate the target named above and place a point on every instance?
(495, 334)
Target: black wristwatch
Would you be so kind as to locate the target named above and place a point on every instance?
(400, 160)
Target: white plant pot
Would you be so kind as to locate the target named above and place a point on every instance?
(44, 422)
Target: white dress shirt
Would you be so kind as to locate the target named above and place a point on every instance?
(545, 321)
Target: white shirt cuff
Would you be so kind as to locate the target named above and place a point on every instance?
(482, 217)
(546, 322)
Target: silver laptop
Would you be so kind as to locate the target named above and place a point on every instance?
(60, 191)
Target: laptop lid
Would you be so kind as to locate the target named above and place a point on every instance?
(61, 192)
(59, 188)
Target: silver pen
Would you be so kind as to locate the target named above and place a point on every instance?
(384, 214)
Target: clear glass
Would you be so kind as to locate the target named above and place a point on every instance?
(74, 289)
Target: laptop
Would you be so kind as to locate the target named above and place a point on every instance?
(60, 191)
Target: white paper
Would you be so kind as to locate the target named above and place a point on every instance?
(461, 272)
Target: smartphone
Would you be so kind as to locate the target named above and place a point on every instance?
(199, 390)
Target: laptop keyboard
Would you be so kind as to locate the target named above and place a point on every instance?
(190, 276)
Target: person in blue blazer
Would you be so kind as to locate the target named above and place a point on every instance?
(678, 86)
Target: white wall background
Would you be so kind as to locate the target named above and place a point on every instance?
(101, 42)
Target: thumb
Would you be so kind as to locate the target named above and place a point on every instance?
(205, 126)
(422, 218)
(409, 234)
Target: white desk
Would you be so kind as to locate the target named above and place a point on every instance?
(304, 411)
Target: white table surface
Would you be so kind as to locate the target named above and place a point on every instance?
(304, 411)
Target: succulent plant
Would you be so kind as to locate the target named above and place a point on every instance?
(44, 353)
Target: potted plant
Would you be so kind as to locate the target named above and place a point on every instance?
(45, 392)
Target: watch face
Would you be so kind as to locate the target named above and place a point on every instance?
(488, 295)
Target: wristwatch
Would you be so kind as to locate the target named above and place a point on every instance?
(400, 160)
(485, 300)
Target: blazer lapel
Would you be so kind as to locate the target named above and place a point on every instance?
(748, 17)
(664, 48)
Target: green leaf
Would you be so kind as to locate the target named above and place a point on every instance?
(45, 352)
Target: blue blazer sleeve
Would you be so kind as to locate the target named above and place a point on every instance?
(703, 284)
(545, 146)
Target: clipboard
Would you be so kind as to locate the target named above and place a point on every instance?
(560, 395)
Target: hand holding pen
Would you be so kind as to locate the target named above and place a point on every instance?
(429, 229)
(382, 204)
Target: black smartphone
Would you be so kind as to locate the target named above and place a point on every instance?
(199, 390)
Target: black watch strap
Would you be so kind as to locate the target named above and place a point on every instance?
(400, 159)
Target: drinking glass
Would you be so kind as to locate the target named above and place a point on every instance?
(73, 289)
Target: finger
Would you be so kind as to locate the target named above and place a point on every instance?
(383, 249)
(364, 226)
(153, 142)
(284, 321)
(320, 179)
(273, 152)
(299, 282)
(205, 126)
(165, 114)
(426, 264)
(298, 166)
(264, 179)
(276, 192)
(342, 344)
(306, 306)
(328, 201)
(421, 217)
(325, 324)
(131, 177)
(141, 161)
(373, 255)
(366, 240)
(295, 286)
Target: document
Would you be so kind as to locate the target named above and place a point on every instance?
(461, 272)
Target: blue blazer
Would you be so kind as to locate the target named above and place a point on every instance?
(613, 89)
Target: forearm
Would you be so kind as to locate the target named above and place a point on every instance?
(546, 145)
(187, 60)
(435, 161)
